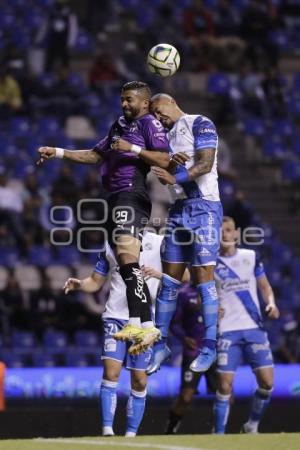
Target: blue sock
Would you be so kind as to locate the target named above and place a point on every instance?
(135, 410)
(209, 298)
(221, 412)
(108, 397)
(166, 303)
(260, 403)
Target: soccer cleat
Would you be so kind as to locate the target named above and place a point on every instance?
(247, 429)
(146, 339)
(161, 353)
(128, 333)
(204, 360)
(107, 431)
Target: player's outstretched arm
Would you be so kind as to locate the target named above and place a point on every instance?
(90, 284)
(268, 296)
(77, 156)
(151, 157)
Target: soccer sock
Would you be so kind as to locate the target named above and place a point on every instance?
(209, 300)
(108, 397)
(132, 276)
(166, 303)
(221, 412)
(146, 309)
(259, 405)
(173, 423)
(135, 410)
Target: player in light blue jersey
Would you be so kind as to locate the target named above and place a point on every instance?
(192, 234)
(241, 334)
(115, 317)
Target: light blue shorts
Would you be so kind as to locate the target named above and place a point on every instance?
(193, 232)
(117, 350)
(244, 346)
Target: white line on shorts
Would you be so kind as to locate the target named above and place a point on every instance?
(104, 442)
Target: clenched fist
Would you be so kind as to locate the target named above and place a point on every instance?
(72, 284)
(46, 153)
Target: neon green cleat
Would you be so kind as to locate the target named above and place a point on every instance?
(145, 340)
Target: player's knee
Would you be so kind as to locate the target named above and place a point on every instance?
(266, 385)
(111, 374)
(139, 383)
(225, 387)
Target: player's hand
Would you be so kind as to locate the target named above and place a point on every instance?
(149, 272)
(272, 311)
(45, 153)
(72, 284)
(163, 175)
(121, 145)
(180, 158)
(190, 343)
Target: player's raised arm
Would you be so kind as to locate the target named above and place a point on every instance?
(90, 284)
(151, 157)
(78, 156)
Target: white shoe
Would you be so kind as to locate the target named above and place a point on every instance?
(107, 431)
(130, 434)
(249, 429)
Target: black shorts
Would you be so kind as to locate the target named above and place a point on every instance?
(190, 379)
(128, 213)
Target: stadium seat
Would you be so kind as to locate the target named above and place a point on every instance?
(57, 276)
(48, 126)
(274, 149)
(68, 256)
(281, 38)
(218, 83)
(15, 360)
(291, 171)
(87, 339)
(28, 277)
(20, 126)
(281, 253)
(254, 127)
(55, 340)
(9, 256)
(283, 127)
(22, 339)
(43, 359)
(76, 359)
(40, 256)
(84, 42)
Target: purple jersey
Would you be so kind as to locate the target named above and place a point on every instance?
(187, 320)
(126, 172)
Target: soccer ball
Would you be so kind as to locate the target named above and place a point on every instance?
(163, 60)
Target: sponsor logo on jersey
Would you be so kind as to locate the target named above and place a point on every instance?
(204, 252)
(260, 347)
(207, 130)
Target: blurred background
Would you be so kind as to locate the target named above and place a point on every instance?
(62, 66)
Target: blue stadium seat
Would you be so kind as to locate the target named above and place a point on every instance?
(294, 103)
(15, 360)
(274, 149)
(296, 269)
(48, 126)
(20, 126)
(283, 127)
(40, 256)
(76, 359)
(8, 256)
(23, 339)
(55, 340)
(43, 359)
(281, 38)
(33, 19)
(218, 83)
(291, 171)
(87, 339)
(296, 82)
(84, 42)
(7, 19)
(296, 144)
(281, 253)
(68, 255)
(255, 126)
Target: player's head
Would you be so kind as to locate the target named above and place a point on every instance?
(229, 233)
(165, 109)
(135, 99)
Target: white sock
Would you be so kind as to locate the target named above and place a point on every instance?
(148, 324)
(251, 426)
(135, 321)
(107, 431)
(130, 434)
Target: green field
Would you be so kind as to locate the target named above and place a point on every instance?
(289, 441)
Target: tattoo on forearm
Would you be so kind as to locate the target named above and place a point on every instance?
(204, 162)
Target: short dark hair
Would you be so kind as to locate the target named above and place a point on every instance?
(229, 219)
(137, 85)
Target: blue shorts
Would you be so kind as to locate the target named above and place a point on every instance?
(244, 346)
(193, 232)
(117, 350)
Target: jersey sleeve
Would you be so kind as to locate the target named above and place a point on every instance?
(204, 133)
(102, 146)
(259, 269)
(102, 265)
(155, 136)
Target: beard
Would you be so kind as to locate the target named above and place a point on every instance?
(131, 114)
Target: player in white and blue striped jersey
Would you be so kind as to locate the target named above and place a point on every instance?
(242, 337)
(192, 234)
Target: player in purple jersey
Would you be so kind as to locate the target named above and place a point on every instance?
(187, 326)
(124, 167)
